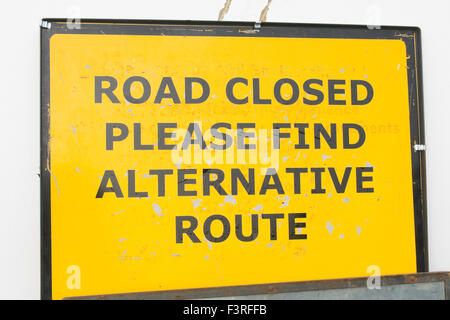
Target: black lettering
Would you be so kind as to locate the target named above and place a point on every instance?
(332, 91)
(137, 139)
(241, 135)
(249, 185)
(110, 137)
(277, 91)
(230, 94)
(319, 130)
(354, 88)
(360, 179)
(225, 137)
(346, 135)
(277, 135)
(273, 223)
(109, 175)
(132, 186)
(301, 136)
(163, 135)
(296, 172)
(340, 186)
(207, 228)
(207, 183)
(293, 225)
(161, 180)
(266, 185)
(182, 181)
(318, 180)
(188, 90)
(256, 93)
(127, 89)
(315, 92)
(193, 128)
(99, 90)
(239, 231)
(189, 231)
(167, 82)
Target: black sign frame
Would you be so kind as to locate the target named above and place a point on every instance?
(411, 36)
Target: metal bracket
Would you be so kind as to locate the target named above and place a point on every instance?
(420, 147)
(46, 24)
(257, 26)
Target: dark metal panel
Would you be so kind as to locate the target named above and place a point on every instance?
(280, 288)
(411, 291)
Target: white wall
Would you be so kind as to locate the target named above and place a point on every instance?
(19, 96)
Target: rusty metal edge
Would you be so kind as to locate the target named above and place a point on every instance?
(271, 288)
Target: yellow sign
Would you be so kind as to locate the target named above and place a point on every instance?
(180, 161)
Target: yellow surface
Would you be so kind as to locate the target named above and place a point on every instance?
(122, 245)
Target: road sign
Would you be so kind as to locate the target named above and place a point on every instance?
(191, 155)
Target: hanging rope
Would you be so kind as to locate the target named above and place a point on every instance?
(224, 10)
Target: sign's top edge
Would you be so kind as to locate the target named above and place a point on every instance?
(45, 21)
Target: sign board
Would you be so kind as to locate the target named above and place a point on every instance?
(181, 155)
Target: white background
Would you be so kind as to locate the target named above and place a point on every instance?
(19, 109)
